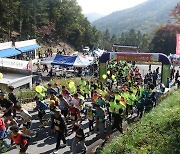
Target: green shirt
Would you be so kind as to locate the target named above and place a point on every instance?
(111, 106)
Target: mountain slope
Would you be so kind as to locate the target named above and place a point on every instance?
(144, 17)
(93, 16)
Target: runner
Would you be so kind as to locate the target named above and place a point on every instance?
(57, 88)
(90, 116)
(77, 102)
(87, 90)
(6, 107)
(26, 117)
(54, 98)
(74, 114)
(117, 122)
(3, 144)
(100, 118)
(64, 91)
(41, 107)
(50, 90)
(68, 97)
(59, 126)
(79, 137)
(110, 107)
(21, 140)
(63, 106)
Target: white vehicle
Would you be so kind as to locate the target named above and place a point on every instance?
(86, 49)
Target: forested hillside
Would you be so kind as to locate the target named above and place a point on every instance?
(47, 20)
(144, 17)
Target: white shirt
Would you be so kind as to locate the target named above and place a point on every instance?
(25, 114)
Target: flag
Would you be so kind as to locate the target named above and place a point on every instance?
(178, 44)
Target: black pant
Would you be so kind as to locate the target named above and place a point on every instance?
(140, 112)
(110, 116)
(109, 113)
(117, 123)
(129, 108)
(14, 113)
(23, 149)
(90, 125)
(60, 136)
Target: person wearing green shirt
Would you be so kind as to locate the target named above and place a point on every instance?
(41, 96)
(130, 101)
(111, 107)
(140, 105)
(82, 82)
(87, 90)
(104, 92)
(117, 96)
(117, 122)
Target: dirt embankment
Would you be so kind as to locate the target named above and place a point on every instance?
(61, 46)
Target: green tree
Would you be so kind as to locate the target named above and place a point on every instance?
(164, 40)
(48, 21)
(175, 13)
(114, 39)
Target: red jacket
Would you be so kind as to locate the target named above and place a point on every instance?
(2, 125)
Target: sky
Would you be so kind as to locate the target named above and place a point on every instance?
(105, 7)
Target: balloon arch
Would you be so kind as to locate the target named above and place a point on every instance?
(141, 57)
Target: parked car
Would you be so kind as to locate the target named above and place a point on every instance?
(86, 49)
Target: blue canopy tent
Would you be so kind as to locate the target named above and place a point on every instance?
(10, 52)
(68, 61)
(28, 48)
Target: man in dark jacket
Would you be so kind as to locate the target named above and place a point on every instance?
(59, 126)
(12, 97)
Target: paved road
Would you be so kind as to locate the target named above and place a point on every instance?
(45, 142)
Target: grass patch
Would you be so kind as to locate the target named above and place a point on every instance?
(157, 132)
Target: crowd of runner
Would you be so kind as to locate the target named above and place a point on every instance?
(124, 94)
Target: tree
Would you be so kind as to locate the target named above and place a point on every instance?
(106, 40)
(175, 13)
(114, 39)
(164, 40)
(107, 35)
(40, 19)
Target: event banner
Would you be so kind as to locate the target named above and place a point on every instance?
(145, 57)
(16, 64)
(178, 44)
